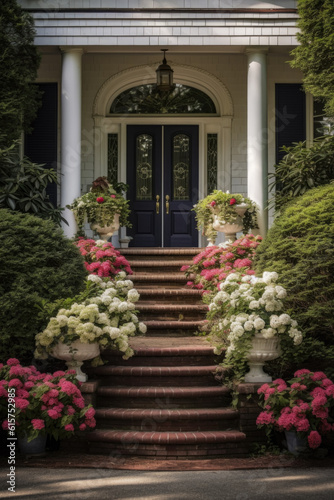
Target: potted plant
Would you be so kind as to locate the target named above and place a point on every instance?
(102, 258)
(43, 404)
(103, 207)
(303, 408)
(103, 315)
(225, 212)
(250, 321)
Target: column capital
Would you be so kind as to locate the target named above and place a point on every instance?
(66, 49)
(257, 50)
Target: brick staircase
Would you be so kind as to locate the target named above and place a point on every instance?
(165, 402)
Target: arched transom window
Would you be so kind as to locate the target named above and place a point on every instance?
(146, 99)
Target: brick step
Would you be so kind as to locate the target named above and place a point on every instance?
(175, 325)
(171, 312)
(184, 376)
(157, 252)
(203, 419)
(170, 295)
(168, 444)
(161, 265)
(163, 397)
(163, 280)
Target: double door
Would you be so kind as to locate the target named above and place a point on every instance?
(162, 173)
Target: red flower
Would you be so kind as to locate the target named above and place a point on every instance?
(213, 203)
(112, 196)
(100, 199)
(233, 201)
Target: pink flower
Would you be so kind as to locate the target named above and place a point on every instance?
(21, 403)
(314, 439)
(53, 414)
(318, 391)
(320, 412)
(318, 376)
(4, 425)
(330, 391)
(112, 196)
(302, 425)
(38, 423)
(233, 201)
(326, 382)
(69, 428)
(3, 392)
(265, 418)
(213, 203)
(59, 373)
(319, 401)
(70, 410)
(69, 388)
(15, 382)
(21, 393)
(90, 413)
(91, 422)
(82, 427)
(79, 402)
(12, 362)
(100, 199)
(300, 373)
(16, 370)
(299, 387)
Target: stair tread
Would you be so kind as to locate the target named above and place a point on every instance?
(179, 414)
(147, 306)
(161, 251)
(158, 277)
(159, 263)
(155, 370)
(194, 437)
(170, 292)
(175, 323)
(156, 391)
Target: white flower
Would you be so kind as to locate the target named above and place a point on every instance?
(268, 333)
(114, 333)
(232, 277)
(259, 323)
(254, 304)
(133, 295)
(123, 306)
(248, 326)
(280, 292)
(270, 306)
(142, 327)
(298, 338)
(94, 278)
(284, 319)
(235, 294)
(269, 277)
(274, 321)
(62, 320)
(241, 318)
(246, 279)
(102, 319)
(237, 329)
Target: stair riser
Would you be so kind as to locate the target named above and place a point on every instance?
(162, 361)
(158, 284)
(163, 269)
(171, 316)
(156, 381)
(171, 299)
(149, 424)
(172, 452)
(163, 403)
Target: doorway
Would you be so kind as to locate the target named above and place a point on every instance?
(162, 173)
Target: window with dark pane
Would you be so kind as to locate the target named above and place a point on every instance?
(146, 99)
(181, 167)
(144, 167)
(113, 158)
(212, 154)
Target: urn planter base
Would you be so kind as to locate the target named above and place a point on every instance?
(75, 354)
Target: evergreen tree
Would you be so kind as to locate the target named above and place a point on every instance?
(315, 54)
(19, 61)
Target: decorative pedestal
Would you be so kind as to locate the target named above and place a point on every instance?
(75, 354)
(105, 232)
(262, 350)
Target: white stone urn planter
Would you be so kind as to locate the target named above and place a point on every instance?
(106, 232)
(75, 354)
(230, 229)
(262, 350)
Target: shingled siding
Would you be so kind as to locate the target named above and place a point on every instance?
(151, 23)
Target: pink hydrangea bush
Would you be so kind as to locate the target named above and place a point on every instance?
(304, 404)
(43, 403)
(102, 258)
(211, 266)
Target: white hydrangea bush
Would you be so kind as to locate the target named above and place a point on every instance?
(246, 306)
(108, 316)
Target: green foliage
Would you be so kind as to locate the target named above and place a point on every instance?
(19, 61)
(302, 169)
(300, 248)
(36, 262)
(23, 185)
(315, 56)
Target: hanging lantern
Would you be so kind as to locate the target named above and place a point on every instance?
(164, 75)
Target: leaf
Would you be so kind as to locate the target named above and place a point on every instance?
(11, 203)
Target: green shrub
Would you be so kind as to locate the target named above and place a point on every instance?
(36, 262)
(303, 169)
(300, 248)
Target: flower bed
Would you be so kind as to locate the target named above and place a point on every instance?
(102, 258)
(214, 264)
(304, 404)
(44, 403)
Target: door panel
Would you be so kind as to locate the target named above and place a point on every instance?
(171, 171)
(181, 185)
(144, 178)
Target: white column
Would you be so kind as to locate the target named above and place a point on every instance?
(257, 133)
(70, 133)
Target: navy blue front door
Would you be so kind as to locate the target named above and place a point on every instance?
(162, 172)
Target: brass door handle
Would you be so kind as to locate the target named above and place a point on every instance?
(157, 205)
(167, 204)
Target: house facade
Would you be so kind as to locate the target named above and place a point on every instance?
(234, 103)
